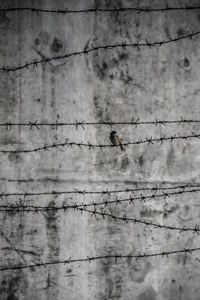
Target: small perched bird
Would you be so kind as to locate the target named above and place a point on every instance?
(115, 140)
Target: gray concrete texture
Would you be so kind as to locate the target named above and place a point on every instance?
(121, 84)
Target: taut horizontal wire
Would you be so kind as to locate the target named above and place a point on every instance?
(82, 124)
(103, 192)
(115, 256)
(33, 208)
(122, 45)
(101, 146)
(86, 11)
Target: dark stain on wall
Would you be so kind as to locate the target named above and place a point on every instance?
(148, 294)
(47, 45)
(138, 269)
(141, 160)
(4, 20)
(124, 163)
(53, 244)
(183, 259)
(15, 158)
(113, 281)
(11, 285)
(57, 44)
(170, 156)
(100, 108)
(101, 70)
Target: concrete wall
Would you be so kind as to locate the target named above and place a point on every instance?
(121, 84)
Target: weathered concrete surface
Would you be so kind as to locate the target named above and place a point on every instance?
(152, 83)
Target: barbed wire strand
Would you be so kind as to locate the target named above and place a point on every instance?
(101, 146)
(82, 124)
(103, 192)
(18, 207)
(116, 256)
(66, 11)
(103, 214)
(127, 220)
(122, 45)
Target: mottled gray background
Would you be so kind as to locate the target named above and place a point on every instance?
(122, 84)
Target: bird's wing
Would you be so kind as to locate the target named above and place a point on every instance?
(118, 139)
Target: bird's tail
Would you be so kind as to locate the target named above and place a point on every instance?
(121, 147)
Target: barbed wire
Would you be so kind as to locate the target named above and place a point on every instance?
(103, 192)
(126, 219)
(116, 256)
(82, 207)
(82, 124)
(103, 214)
(122, 45)
(66, 11)
(18, 207)
(90, 146)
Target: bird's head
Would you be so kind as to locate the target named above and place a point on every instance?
(113, 133)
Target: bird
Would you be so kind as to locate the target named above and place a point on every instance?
(115, 140)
